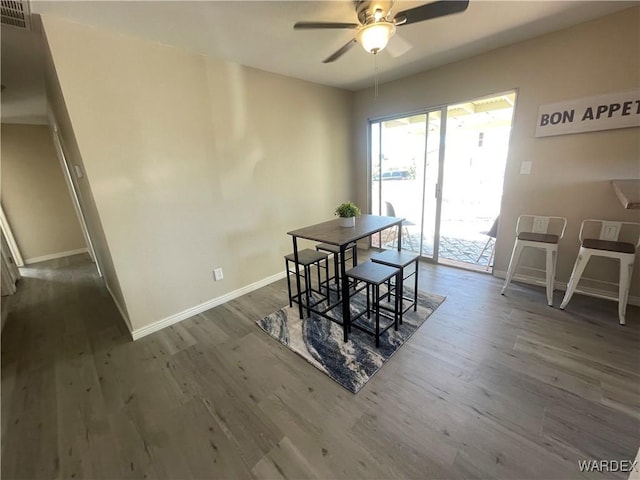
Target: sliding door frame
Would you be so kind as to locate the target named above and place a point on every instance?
(377, 122)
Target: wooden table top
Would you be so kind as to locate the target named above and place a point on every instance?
(628, 192)
(331, 232)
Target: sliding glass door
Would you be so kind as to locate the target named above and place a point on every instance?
(450, 197)
(405, 166)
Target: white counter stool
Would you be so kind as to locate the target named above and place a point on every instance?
(539, 232)
(374, 275)
(602, 238)
(401, 260)
(306, 259)
(335, 251)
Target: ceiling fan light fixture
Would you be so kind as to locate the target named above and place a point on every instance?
(375, 36)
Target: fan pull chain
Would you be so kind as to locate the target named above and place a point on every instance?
(375, 76)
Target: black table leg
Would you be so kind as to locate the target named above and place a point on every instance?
(346, 319)
(297, 262)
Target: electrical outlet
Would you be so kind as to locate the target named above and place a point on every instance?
(217, 274)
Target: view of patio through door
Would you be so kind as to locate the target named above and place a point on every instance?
(442, 170)
(404, 174)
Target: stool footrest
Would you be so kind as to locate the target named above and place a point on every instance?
(295, 298)
(367, 329)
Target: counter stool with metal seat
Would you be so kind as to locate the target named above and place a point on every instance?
(335, 251)
(602, 238)
(374, 275)
(401, 260)
(306, 259)
(542, 233)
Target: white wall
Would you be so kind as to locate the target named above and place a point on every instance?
(34, 195)
(571, 173)
(196, 163)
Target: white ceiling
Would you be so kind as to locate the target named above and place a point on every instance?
(260, 34)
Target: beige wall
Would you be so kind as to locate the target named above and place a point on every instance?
(35, 197)
(60, 123)
(571, 173)
(196, 164)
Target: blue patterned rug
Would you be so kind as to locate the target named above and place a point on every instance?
(351, 363)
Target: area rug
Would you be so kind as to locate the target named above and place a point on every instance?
(351, 363)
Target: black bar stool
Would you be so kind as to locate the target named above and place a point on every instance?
(374, 275)
(306, 259)
(401, 260)
(335, 251)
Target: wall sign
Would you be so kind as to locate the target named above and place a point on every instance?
(603, 112)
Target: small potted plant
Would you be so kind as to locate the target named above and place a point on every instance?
(348, 213)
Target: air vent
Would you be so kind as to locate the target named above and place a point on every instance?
(15, 13)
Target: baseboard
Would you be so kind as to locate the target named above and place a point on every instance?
(53, 256)
(190, 312)
(591, 292)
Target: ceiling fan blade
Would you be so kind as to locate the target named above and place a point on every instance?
(317, 25)
(431, 10)
(341, 51)
(398, 46)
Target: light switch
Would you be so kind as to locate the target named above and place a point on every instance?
(525, 168)
(78, 171)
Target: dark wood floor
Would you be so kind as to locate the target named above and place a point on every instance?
(488, 387)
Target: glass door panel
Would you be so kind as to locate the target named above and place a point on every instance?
(397, 177)
(477, 140)
(431, 181)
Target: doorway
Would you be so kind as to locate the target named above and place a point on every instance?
(405, 168)
(74, 192)
(442, 170)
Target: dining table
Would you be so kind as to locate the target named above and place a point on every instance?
(333, 233)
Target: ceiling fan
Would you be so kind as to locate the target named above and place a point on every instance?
(377, 23)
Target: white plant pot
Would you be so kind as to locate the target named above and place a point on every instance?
(347, 221)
